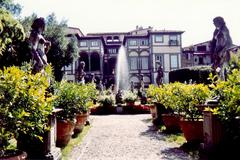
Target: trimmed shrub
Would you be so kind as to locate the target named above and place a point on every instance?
(196, 74)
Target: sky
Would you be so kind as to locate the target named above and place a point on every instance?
(192, 16)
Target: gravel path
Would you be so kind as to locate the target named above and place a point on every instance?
(125, 137)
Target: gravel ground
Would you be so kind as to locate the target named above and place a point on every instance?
(125, 137)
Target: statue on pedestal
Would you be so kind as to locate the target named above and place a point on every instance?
(159, 78)
(92, 78)
(81, 73)
(220, 45)
(100, 87)
(118, 98)
(39, 46)
(132, 86)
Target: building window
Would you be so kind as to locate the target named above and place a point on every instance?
(116, 39)
(69, 69)
(200, 61)
(159, 38)
(144, 42)
(144, 63)
(94, 43)
(112, 51)
(173, 40)
(174, 61)
(159, 61)
(83, 44)
(201, 48)
(132, 42)
(133, 63)
(109, 39)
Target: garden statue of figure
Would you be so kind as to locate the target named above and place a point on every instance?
(82, 74)
(220, 44)
(159, 78)
(92, 78)
(100, 87)
(132, 86)
(141, 88)
(39, 46)
(118, 97)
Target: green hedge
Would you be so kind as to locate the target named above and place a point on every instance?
(198, 74)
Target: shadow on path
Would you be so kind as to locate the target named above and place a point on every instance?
(175, 154)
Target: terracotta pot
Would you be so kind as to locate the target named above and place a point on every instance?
(192, 130)
(17, 155)
(81, 120)
(171, 122)
(64, 132)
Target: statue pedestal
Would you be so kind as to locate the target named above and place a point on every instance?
(212, 127)
(37, 149)
(212, 130)
(52, 151)
(119, 109)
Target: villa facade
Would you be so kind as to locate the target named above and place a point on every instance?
(197, 54)
(146, 49)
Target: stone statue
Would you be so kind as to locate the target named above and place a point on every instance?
(100, 87)
(81, 72)
(220, 44)
(39, 46)
(159, 78)
(141, 88)
(92, 78)
(118, 98)
(132, 86)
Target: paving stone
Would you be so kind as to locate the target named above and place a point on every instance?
(125, 137)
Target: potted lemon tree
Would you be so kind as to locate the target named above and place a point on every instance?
(86, 95)
(67, 99)
(192, 121)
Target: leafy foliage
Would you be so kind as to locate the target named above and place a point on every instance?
(62, 51)
(11, 31)
(181, 98)
(228, 94)
(198, 74)
(9, 5)
(129, 96)
(106, 99)
(25, 103)
(73, 98)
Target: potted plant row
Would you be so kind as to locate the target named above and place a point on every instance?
(181, 100)
(74, 100)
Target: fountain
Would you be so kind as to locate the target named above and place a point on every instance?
(122, 74)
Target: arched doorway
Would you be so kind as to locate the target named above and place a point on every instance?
(95, 62)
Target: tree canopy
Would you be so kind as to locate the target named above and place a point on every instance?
(63, 51)
(11, 31)
(9, 5)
